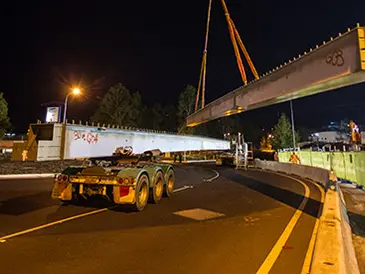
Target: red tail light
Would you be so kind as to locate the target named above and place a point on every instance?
(125, 181)
(62, 178)
(123, 191)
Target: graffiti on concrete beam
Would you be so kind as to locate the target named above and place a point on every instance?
(88, 137)
(336, 58)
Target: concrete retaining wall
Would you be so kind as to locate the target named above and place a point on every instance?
(334, 251)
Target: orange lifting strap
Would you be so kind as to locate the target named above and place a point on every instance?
(233, 32)
(203, 70)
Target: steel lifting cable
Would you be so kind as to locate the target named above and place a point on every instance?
(203, 70)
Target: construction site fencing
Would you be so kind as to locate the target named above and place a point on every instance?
(349, 166)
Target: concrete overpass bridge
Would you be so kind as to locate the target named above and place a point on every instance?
(334, 64)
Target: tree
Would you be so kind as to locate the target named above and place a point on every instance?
(4, 118)
(283, 133)
(186, 102)
(156, 116)
(159, 117)
(169, 122)
(185, 107)
(119, 107)
(304, 132)
(136, 109)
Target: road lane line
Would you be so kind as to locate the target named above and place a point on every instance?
(309, 255)
(278, 247)
(213, 178)
(182, 188)
(4, 238)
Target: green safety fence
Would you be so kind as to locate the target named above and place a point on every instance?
(347, 165)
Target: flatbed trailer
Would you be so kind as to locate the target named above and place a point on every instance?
(123, 179)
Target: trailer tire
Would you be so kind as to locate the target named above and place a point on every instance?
(157, 188)
(170, 183)
(141, 193)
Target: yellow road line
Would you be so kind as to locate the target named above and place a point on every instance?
(276, 250)
(4, 238)
(309, 255)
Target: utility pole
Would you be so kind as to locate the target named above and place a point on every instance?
(292, 123)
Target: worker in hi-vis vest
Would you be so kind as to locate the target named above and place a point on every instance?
(294, 158)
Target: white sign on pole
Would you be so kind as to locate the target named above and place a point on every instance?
(52, 114)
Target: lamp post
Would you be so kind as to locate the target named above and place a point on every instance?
(292, 124)
(75, 91)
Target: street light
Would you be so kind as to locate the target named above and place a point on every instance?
(292, 123)
(75, 91)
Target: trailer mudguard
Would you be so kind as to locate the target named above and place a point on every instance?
(164, 167)
(152, 170)
(125, 193)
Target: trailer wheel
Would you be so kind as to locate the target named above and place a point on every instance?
(157, 188)
(170, 182)
(141, 194)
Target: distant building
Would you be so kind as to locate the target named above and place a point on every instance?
(330, 137)
(334, 132)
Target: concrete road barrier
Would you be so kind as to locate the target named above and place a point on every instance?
(334, 251)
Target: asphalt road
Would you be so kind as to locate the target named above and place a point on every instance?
(242, 222)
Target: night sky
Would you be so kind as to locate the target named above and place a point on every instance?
(155, 47)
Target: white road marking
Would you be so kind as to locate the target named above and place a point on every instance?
(199, 214)
(213, 178)
(182, 188)
(4, 238)
(278, 247)
(309, 255)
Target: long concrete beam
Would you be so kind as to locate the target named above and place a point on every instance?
(59, 141)
(84, 141)
(335, 64)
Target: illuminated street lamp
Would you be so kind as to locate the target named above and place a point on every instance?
(75, 91)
